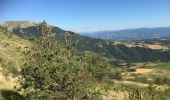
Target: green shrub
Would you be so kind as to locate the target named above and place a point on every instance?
(54, 72)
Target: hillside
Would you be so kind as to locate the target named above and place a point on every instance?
(119, 83)
(107, 48)
(27, 29)
(12, 25)
(131, 34)
(11, 57)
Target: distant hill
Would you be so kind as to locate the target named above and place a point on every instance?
(12, 25)
(30, 29)
(131, 34)
(27, 28)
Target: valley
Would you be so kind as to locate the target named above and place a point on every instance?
(134, 70)
(84, 50)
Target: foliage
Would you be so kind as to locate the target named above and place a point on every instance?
(53, 71)
(10, 95)
(142, 93)
(102, 68)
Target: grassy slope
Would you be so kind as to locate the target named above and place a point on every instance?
(10, 57)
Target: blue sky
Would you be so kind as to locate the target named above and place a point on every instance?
(89, 15)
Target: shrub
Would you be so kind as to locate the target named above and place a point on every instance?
(54, 72)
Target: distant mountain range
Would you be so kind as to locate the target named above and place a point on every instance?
(131, 34)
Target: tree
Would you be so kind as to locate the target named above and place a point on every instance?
(52, 73)
(102, 69)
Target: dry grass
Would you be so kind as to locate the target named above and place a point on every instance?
(7, 83)
(11, 48)
(113, 95)
(157, 47)
(144, 70)
(10, 56)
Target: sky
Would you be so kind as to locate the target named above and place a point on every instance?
(89, 15)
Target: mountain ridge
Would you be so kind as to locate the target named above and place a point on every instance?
(27, 29)
(100, 46)
(131, 34)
